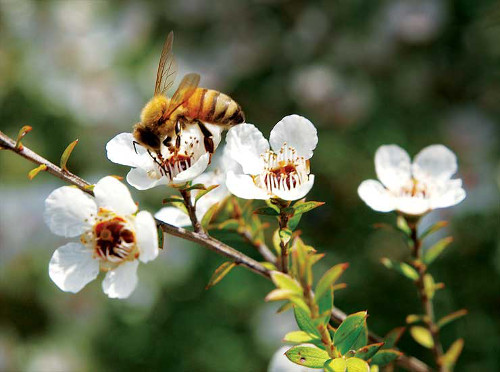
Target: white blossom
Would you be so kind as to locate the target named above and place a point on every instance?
(413, 188)
(114, 237)
(216, 176)
(174, 168)
(280, 172)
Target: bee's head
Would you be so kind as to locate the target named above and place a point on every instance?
(146, 137)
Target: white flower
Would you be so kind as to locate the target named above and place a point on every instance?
(149, 171)
(217, 176)
(280, 363)
(113, 237)
(282, 172)
(413, 188)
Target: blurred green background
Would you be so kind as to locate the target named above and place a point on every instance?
(366, 73)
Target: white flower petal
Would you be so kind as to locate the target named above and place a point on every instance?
(245, 144)
(120, 149)
(121, 282)
(242, 186)
(412, 205)
(147, 236)
(194, 170)
(376, 196)
(216, 131)
(297, 132)
(173, 216)
(393, 167)
(435, 162)
(139, 178)
(112, 194)
(297, 193)
(72, 267)
(69, 211)
(452, 194)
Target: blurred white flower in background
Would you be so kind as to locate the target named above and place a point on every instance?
(282, 172)
(280, 363)
(148, 171)
(413, 188)
(216, 176)
(113, 237)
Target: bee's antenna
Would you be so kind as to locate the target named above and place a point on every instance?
(135, 143)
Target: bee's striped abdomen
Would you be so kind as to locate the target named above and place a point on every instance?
(214, 107)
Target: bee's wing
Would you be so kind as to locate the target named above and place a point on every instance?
(167, 68)
(186, 89)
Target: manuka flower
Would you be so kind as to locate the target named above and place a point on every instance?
(281, 172)
(113, 237)
(216, 176)
(173, 168)
(413, 188)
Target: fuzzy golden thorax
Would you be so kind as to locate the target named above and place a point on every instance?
(154, 110)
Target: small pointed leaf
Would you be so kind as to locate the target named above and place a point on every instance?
(306, 356)
(432, 229)
(357, 365)
(266, 211)
(299, 337)
(433, 252)
(22, 132)
(284, 281)
(403, 225)
(392, 337)
(34, 172)
(450, 358)
(66, 154)
(207, 218)
(203, 192)
(285, 235)
(305, 323)
(329, 278)
(384, 357)
(422, 336)
(401, 267)
(335, 365)
(304, 207)
(220, 273)
(348, 331)
(451, 317)
(366, 352)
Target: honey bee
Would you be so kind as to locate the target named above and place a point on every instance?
(163, 118)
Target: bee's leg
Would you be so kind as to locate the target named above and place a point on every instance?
(207, 138)
(155, 159)
(178, 134)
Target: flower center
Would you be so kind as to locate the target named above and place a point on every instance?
(113, 239)
(284, 170)
(415, 189)
(173, 161)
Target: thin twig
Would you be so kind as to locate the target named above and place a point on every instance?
(430, 321)
(186, 195)
(338, 316)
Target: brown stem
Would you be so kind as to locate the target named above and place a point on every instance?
(437, 348)
(338, 316)
(186, 195)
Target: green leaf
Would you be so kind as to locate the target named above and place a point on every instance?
(299, 337)
(66, 154)
(268, 265)
(311, 357)
(277, 242)
(403, 225)
(305, 322)
(384, 357)
(348, 331)
(429, 286)
(271, 205)
(422, 336)
(433, 252)
(294, 222)
(432, 229)
(286, 306)
(451, 317)
(450, 358)
(335, 365)
(284, 281)
(231, 224)
(266, 211)
(357, 365)
(207, 218)
(160, 237)
(285, 235)
(366, 352)
(401, 267)
(392, 337)
(415, 318)
(22, 132)
(202, 192)
(220, 273)
(329, 278)
(33, 173)
(304, 207)
(280, 295)
(198, 186)
(325, 303)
